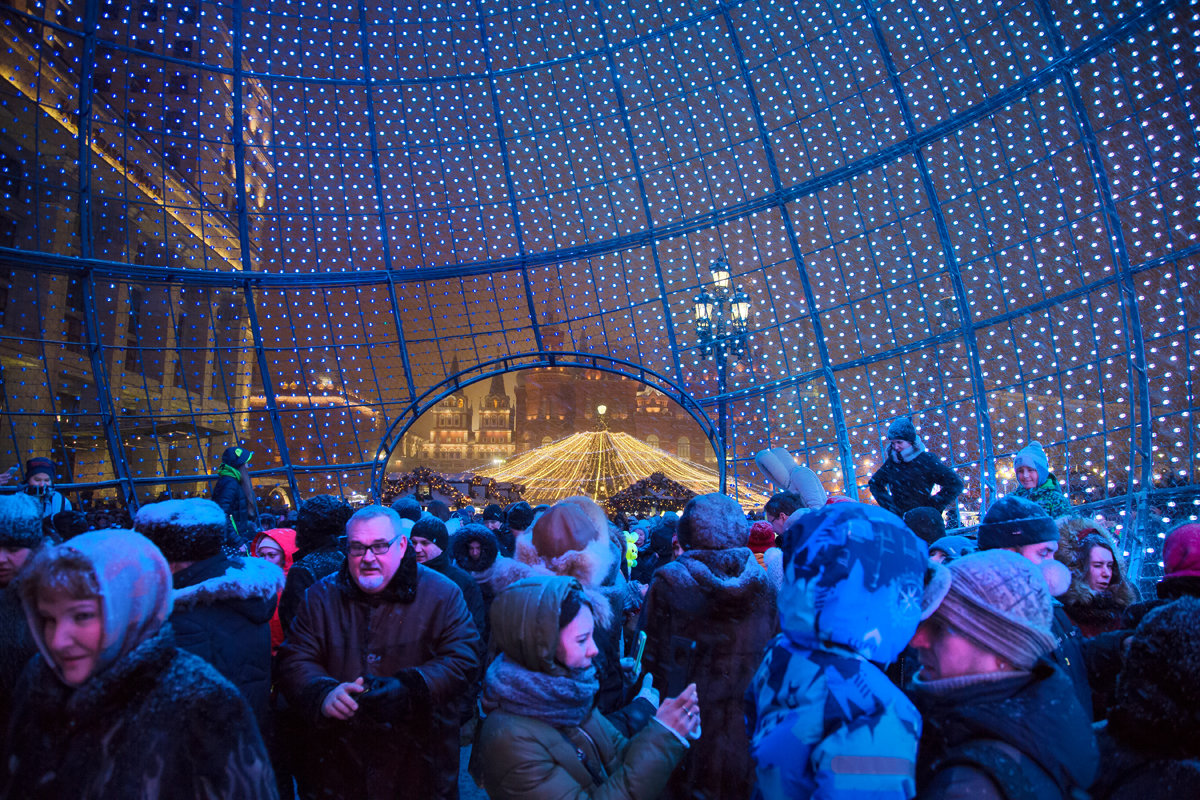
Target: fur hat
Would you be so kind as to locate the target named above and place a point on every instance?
(1001, 602)
(762, 537)
(493, 513)
(713, 522)
(926, 522)
(320, 520)
(902, 429)
(40, 465)
(20, 521)
(1034, 457)
(1181, 551)
(184, 530)
(433, 529)
(563, 528)
(519, 516)
(1015, 522)
(236, 456)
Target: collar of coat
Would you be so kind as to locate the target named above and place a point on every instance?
(242, 579)
(731, 578)
(402, 588)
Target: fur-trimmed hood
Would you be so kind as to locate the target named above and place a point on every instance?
(733, 579)
(253, 583)
(1076, 537)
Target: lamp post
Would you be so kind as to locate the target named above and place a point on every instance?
(722, 319)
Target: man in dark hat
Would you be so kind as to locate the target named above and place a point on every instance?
(909, 473)
(234, 493)
(493, 517)
(517, 519)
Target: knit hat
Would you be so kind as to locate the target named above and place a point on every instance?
(433, 529)
(762, 537)
(1016, 522)
(493, 513)
(519, 516)
(408, 508)
(320, 520)
(1000, 601)
(1181, 551)
(184, 530)
(235, 456)
(902, 429)
(39, 465)
(713, 521)
(954, 547)
(438, 509)
(926, 522)
(1034, 457)
(20, 521)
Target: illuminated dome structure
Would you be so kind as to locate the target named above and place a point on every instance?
(982, 215)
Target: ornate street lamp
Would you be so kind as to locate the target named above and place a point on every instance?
(722, 329)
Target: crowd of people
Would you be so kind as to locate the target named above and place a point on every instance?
(831, 649)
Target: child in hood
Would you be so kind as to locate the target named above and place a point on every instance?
(823, 720)
(278, 546)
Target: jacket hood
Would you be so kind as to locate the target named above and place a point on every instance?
(490, 547)
(525, 621)
(733, 579)
(253, 584)
(1076, 538)
(285, 538)
(853, 575)
(135, 592)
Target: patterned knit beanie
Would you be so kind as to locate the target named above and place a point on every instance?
(1000, 601)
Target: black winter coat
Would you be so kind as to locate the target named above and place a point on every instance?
(223, 610)
(1131, 773)
(227, 492)
(722, 602)
(417, 630)
(306, 570)
(159, 723)
(900, 486)
(1031, 725)
(16, 648)
(463, 580)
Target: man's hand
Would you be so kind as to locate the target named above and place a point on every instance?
(340, 703)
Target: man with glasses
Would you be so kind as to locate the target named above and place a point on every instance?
(373, 659)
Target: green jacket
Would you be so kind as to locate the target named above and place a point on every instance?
(520, 757)
(1049, 496)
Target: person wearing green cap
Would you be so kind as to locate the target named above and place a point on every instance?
(234, 493)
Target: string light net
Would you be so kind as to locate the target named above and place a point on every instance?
(282, 223)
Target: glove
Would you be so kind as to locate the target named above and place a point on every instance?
(649, 692)
(385, 699)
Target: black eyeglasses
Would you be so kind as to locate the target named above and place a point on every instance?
(358, 549)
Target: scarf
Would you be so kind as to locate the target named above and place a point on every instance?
(230, 472)
(561, 701)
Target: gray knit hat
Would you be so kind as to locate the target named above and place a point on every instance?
(20, 521)
(1000, 601)
(902, 429)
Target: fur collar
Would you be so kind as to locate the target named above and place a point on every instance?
(731, 578)
(590, 566)
(244, 579)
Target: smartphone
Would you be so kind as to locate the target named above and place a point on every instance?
(641, 648)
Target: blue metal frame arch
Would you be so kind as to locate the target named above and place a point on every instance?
(514, 363)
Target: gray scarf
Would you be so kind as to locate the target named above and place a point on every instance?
(561, 701)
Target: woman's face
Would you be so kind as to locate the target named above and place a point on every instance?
(74, 633)
(576, 644)
(1100, 568)
(270, 550)
(1027, 477)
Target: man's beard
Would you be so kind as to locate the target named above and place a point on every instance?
(370, 582)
